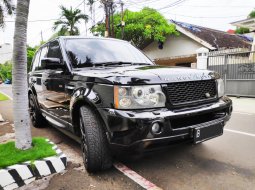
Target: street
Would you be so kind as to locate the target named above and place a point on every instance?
(227, 162)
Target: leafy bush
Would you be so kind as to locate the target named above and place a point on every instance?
(242, 30)
(6, 71)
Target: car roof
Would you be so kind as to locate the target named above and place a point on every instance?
(85, 37)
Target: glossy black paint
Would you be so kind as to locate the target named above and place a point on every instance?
(60, 92)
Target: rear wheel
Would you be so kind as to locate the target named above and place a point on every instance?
(36, 117)
(95, 150)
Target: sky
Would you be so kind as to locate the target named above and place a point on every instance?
(216, 14)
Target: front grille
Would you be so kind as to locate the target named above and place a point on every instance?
(192, 91)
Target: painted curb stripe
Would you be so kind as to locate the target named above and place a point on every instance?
(34, 171)
(16, 177)
(64, 160)
(51, 167)
(136, 177)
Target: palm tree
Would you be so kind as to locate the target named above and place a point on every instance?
(5, 6)
(92, 11)
(68, 20)
(19, 72)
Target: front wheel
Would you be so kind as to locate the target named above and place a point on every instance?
(95, 150)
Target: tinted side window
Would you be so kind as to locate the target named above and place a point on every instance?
(36, 60)
(54, 50)
(44, 52)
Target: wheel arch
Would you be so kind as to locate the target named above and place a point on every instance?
(75, 113)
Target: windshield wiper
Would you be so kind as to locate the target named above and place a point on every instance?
(118, 63)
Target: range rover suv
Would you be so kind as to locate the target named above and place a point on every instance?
(109, 96)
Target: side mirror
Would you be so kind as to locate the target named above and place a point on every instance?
(51, 63)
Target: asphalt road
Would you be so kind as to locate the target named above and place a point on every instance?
(226, 162)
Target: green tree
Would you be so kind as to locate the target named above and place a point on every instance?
(9, 7)
(141, 27)
(252, 14)
(68, 21)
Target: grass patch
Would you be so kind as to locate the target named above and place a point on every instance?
(9, 155)
(3, 97)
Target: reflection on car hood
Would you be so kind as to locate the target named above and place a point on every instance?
(151, 74)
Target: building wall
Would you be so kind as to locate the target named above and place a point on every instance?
(5, 53)
(174, 46)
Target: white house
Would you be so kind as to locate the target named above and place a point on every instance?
(5, 52)
(181, 50)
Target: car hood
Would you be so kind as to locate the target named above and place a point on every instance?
(151, 74)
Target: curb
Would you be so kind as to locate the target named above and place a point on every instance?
(18, 175)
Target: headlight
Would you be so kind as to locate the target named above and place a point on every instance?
(221, 89)
(137, 97)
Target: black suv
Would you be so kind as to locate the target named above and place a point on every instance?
(108, 95)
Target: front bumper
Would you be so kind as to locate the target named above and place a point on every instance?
(133, 128)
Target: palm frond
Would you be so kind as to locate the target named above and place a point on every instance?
(68, 20)
(9, 6)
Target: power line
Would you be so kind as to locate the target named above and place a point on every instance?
(46, 20)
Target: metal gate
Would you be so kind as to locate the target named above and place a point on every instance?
(237, 70)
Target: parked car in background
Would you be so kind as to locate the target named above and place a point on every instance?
(7, 81)
(109, 96)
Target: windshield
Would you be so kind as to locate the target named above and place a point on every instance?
(89, 52)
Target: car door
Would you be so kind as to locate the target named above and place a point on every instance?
(57, 103)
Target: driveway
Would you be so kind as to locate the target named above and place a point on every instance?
(226, 162)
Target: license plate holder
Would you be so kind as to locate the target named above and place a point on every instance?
(203, 133)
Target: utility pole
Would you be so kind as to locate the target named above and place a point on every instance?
(41, 37)
(112, 12)
(122, 20)
(86, 29)
(122, 24)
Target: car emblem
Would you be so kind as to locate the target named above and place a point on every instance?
(207, 95)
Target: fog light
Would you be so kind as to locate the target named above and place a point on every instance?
(156, 128)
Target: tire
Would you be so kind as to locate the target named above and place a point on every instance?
(95, 148)
(36, 117)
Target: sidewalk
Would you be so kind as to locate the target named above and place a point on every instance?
(244, 105)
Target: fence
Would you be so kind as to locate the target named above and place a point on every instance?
(237, 69)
